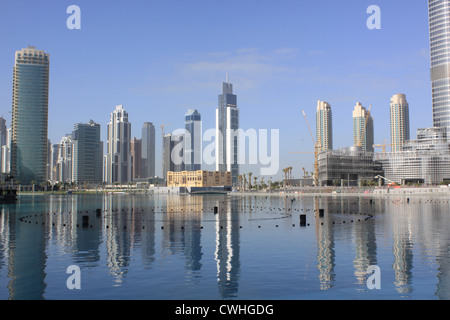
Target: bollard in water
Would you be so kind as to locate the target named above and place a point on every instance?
(99, 212)
(85, 221)
(303, 220)
(216, 210)
(321, 213)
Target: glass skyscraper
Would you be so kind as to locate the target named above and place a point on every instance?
(148, 150)
(193, 152)
(87, 153)
(439, 17)
(30, 115)
(227, 124)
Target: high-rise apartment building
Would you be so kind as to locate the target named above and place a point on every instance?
(227, 124)
(64, 162)
(136, 150)
(30, 115)
(399, 111)
(193, 144)
(324, 126)
(87, 155)
(148, 151)
(363, 128)
(3, 137)
(6, 153)
(439, 27)
(118, 164)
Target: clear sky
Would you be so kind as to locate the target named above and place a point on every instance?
(161, 57)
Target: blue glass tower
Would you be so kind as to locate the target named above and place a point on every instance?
(30, 116)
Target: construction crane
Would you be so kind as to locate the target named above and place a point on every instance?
(391, 183)
(384, 145)
(317, 147)
(363, 131)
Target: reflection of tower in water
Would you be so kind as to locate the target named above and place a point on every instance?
(402, 246)
(227, 254)
(325, 245)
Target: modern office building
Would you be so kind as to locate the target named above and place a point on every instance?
(399, 111)
(173, 157)
(136, 151)
(347, 167)
(30, 115)
(118, 164)
(324, 126)
(363, 128)
(227, 124)
(148, 151)
(87, 154)
(439, 28)
(193, 143)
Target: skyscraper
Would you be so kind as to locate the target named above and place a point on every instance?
(87, 153)
(148, 150)
(227, 124)
(193, 152)
(3, 137)
(399, 121)
(363, 128)
(30, 115)
(173, 157)
(65, 159)
(136, 154)
(439, 15)
(118, 164)
(324, 126)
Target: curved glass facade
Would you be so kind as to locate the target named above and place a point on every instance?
(439, 20)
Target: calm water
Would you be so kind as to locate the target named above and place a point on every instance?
(175, 247)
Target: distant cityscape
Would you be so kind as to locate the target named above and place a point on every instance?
(31, 158)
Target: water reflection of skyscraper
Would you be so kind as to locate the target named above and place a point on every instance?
(227, 253)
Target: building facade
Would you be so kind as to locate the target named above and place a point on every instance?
(200, 178)
(148, 162)
(439, 28)
(136, 154)
(87, 154)
(227, 124)
(30, 115)
(173, 157)
(399, 112)
(324, 126)
(425, 160)
(347, 167)
(193, 152)
(363, 135)
(118, 163)
(64, 162)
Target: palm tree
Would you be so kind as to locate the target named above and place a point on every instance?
(240, 182)
(255, 178)
(250, 180)
(285, 172)
(245, 181)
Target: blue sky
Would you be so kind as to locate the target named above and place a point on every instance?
(160, 58)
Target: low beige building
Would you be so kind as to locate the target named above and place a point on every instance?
(199, 178)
